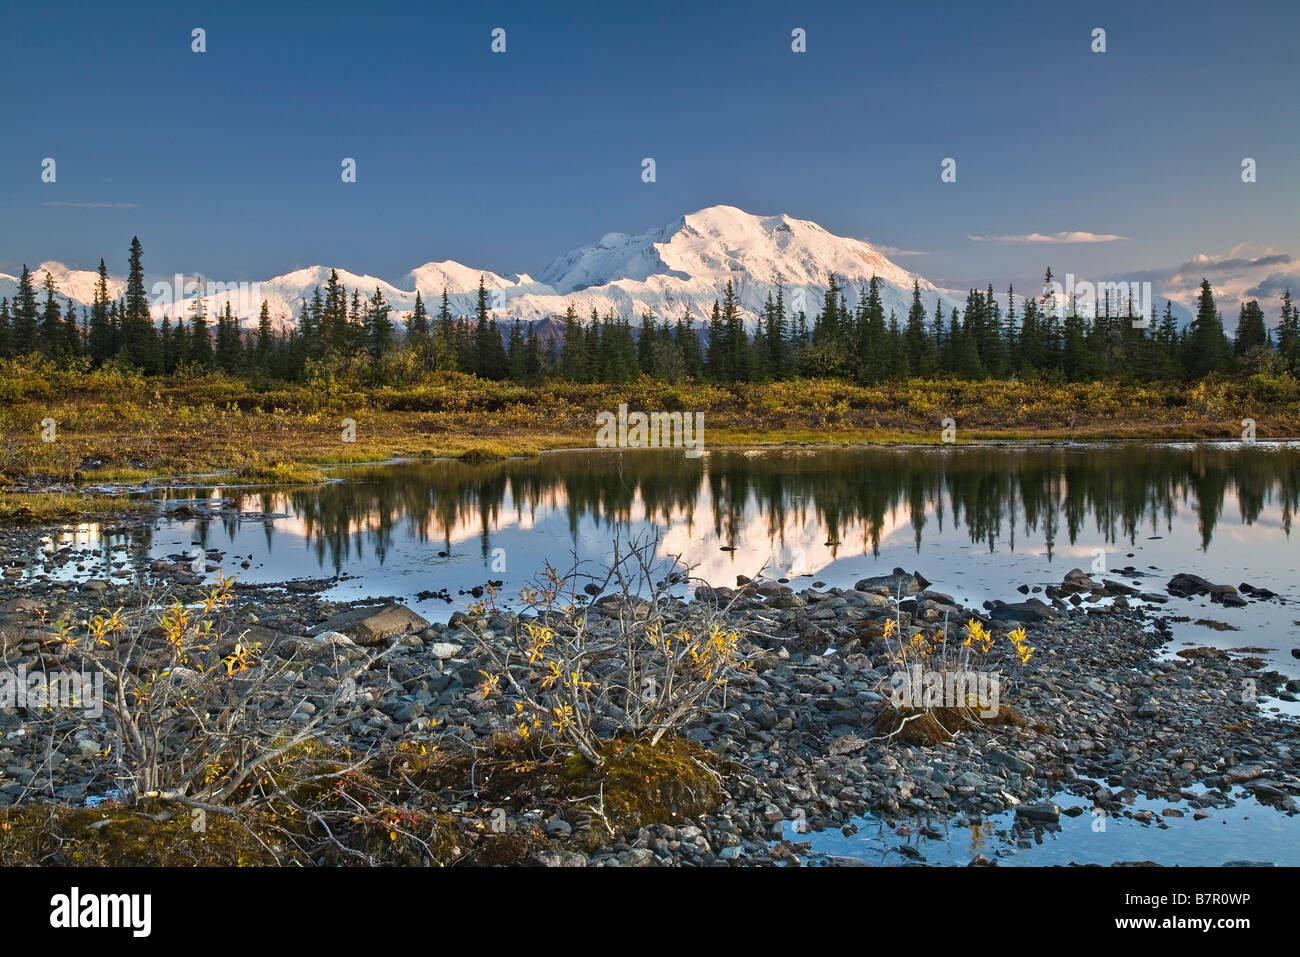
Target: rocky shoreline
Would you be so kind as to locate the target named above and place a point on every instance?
(1104, 717)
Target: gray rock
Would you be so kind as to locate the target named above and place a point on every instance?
(1010, 762)
(1029, 611)
(1077, 581)
(764, 715)
(369, 626)
(1040, 813)
(1184, 585)
(637, 857)
(846, 744)
(900, 581)
(556, 858)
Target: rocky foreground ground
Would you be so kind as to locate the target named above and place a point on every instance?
(799, 736)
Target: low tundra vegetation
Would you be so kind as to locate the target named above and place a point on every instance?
(113, 422)
(946, 684)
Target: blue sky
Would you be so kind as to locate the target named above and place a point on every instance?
(228, 161)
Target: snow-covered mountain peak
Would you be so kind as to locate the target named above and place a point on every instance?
(681, 267)
(716, 243)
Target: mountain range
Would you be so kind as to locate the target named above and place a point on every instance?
(682, 266)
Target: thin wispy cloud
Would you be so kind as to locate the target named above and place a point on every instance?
(893, 252)
(1044, 239)
(92, 205)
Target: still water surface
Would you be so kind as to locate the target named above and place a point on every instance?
(976, 521)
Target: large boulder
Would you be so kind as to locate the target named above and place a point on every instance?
(1185, 585)
(370, 626)
(899, 582)
(1026, 612)
(1076, 582)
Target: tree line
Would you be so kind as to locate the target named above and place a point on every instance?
(340, 331)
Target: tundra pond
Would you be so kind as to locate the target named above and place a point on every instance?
(1158, 583)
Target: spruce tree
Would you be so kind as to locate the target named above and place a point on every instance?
(265, 338)
(758, 356)
(6, 331)
(776, 332)
(417, 331)
(992, 344)
(51, 321)
(230, 350)
(1073, 362)
(324, 338)
(919, 350)
(1030, 355)
(166, 347)
(379, 326)
(938, 338)
(498, 364)
(1049, 317)
(688, 343)
(1288, 335)
(646, 346)
(737, 344)
(968, 357)
(573, 354)
(27, 336)
(309, 334)
(138, 340)
(672, 364)
(466, 346)
(827, 331)
(180, 347)
(100, 339)
(717, 352)
(1207, 345)
(1011, 349)
(533, 362)
(200, 340)
(355, 339)
(952, 344)
(895, 350)
(516, 361)
(443, 355)
(332, 314)
(616, 349)
(874, 358)
(72, 331)
(1251, 332)
(1166, 346)
(115, 328)
(483, 365)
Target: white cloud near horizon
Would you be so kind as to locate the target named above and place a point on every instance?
(1061, 238)
(1237, 276)
(92, 205)
(894, 252)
